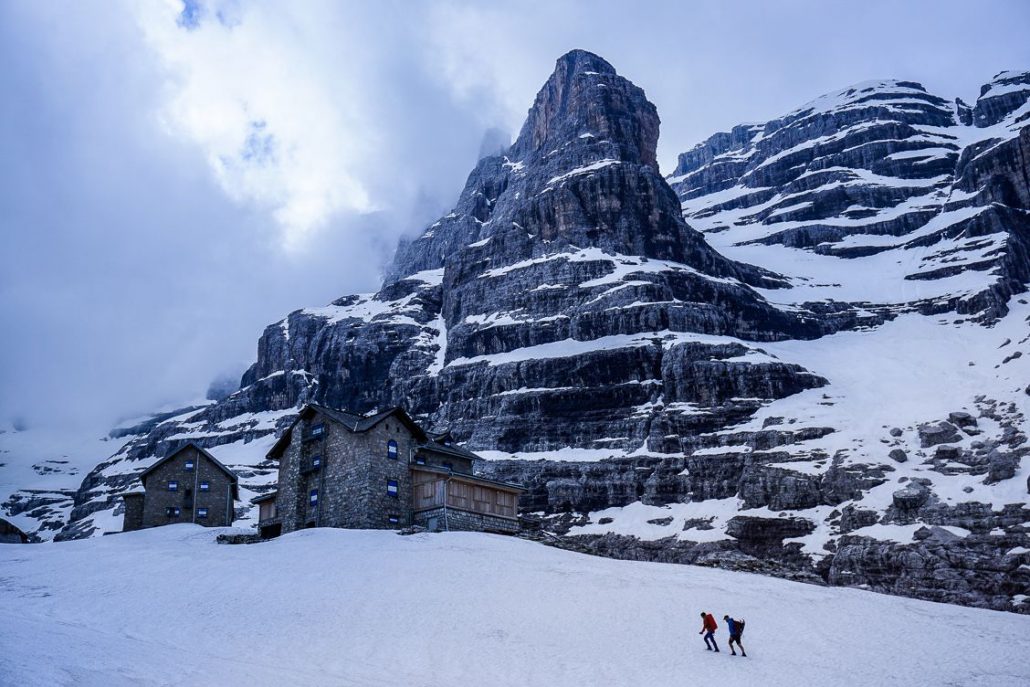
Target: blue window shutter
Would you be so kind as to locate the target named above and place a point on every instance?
(204, 486)
(173, 486)
(202, 512)
(391, 449)
(314, 497)
(391, 487)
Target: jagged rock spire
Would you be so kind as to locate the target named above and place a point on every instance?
(585, 95)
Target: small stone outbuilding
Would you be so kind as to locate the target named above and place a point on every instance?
(11, 534)
(187, 485)
(382, 471)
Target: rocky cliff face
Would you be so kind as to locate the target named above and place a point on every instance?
(568, 245)
(930, 192)
(817, 373)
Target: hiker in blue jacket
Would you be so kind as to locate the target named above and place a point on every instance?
(736, 628)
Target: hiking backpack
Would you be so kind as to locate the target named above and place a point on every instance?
(740, 627)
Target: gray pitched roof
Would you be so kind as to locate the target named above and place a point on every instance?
(451, 449)
(350, 421)
(363, 423)
(205, 453)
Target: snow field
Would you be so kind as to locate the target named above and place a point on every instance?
(169, 607)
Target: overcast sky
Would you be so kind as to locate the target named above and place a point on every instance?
(175, 177)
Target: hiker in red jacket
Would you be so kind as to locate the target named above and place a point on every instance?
(708, 628)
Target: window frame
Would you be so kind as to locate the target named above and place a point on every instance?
(394, 485)
(204, 486)
(393, 451)
(202, 513)
(313, 498)
(190, 465)
(173, 485)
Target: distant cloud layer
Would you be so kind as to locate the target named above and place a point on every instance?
(177, 175)
(282, 123)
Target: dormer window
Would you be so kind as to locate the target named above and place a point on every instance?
(391, 449)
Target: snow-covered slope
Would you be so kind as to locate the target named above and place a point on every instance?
(170, 607)
(41, 469)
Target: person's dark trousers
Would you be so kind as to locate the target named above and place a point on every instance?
(710, 641)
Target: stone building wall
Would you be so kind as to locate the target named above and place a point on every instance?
(455, 520)
(342, 479)
(288, 500)
(133, 519)
(352, 479)
(380, 507)
(188, 497)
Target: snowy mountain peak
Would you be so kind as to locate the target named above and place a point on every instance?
(866, 91)
(1004, 99)
(586, 103)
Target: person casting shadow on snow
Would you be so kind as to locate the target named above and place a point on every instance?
(736, 628)
(708, 628)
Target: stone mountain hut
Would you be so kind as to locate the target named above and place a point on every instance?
(187, 485)
(338, 469)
